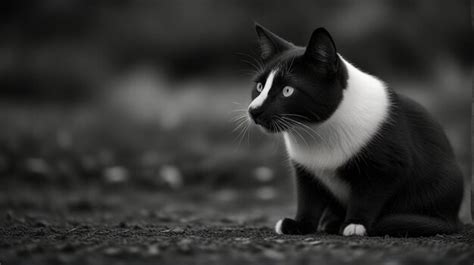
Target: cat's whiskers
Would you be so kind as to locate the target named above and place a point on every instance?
(305, 128)
(254, 66)
(312, 113)
(239, 117)
(300, 124)
(255, 63)
(243, 132)
(288, 66)
(242, 121)
(240, 124)
(283, 125)
(291, 128)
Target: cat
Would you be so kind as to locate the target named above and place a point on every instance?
(367, 161)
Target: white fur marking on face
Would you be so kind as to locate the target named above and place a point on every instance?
(355, 122)
(278, 227)
(258, 101)
(354, 230)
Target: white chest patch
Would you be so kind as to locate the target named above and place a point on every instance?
(325, 147)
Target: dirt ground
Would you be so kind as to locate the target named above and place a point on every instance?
(127, 226)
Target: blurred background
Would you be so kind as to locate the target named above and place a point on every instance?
(133, 96)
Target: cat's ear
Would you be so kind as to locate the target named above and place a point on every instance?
(270, 44)
(321, 49)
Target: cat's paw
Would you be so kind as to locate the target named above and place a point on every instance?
(288, 226)
(354, 230)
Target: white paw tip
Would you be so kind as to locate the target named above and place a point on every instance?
(354, 230)
(278, 227)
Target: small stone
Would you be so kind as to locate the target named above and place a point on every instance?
(133, 249)
(178, 230)
(263, 174)
(314, 243)
(243, 240)
(273, 254)
(266, 193)
(116, 174)
(111, 251)
(184, 246)
(226, 195)
(153, 250)
(171, 176)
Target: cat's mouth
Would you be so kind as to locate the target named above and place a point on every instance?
(269, 123)
(270, 126)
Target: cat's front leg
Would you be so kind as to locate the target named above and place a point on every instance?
(360, 215)
(311, 200)
(366, 202)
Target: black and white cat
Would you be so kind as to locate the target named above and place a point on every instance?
(367, 160)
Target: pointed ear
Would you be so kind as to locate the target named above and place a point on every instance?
(270, 44)
(321, 48)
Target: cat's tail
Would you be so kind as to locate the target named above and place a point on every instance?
(410, 225)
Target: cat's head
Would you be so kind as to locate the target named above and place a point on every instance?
(296, 85)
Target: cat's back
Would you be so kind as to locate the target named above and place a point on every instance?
(425, 134)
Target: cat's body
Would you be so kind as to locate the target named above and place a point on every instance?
(343, 135)
(367, 160)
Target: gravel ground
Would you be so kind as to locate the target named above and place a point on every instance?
(93, 226)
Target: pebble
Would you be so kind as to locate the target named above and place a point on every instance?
(112, 251)
(263, 174)
(184, 246)
(280, 241)
(266, 193)
(116, 174)
(273, 254)
(133, 249)
(177, 230)
(314, 243)
(226, 195)
(153, 250)
(171, 176)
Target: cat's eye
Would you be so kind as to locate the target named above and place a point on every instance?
(288, 91)
(259, 87)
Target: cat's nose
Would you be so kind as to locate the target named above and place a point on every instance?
(255, 113)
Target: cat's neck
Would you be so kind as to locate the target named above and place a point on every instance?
(326, 146)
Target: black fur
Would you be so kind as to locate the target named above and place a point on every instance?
(404, 182)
